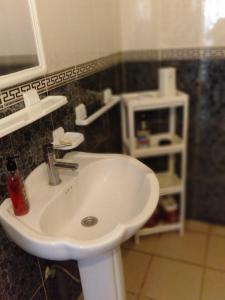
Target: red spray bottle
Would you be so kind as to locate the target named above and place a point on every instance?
(16, 188)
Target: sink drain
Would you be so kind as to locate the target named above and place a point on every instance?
(89, 221)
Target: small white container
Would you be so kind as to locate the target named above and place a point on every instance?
(170, 209)
(167, 82)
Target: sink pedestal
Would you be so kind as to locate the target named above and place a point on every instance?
(102, 276)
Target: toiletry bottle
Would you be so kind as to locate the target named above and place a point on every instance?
(16, 188)
(143, 133)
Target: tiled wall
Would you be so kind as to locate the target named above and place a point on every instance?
(165, 24)
(82, 34)
(190, 36)
(73, 33)
(11, 96)
(21, 274)
(201, 74)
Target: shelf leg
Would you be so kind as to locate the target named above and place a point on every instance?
(137, 239)
(182, 230)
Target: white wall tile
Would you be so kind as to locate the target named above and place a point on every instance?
(180, 23)
(151, 24)
(106, 25)
(55, 31)
(76, 32)
(83, 35)
(139, 24)
(116, 25)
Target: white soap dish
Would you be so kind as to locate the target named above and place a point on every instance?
(66, 140)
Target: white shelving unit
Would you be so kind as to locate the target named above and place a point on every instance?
(170, 182)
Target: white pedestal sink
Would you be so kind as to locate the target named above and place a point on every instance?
(86, 217)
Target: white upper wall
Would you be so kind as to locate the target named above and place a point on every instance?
(154, 24)
(78, 31)
(137, 20)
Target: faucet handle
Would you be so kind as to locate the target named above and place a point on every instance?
(48, 148)
(47, 151)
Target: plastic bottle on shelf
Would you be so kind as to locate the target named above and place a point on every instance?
(170, 209)
(143, 133)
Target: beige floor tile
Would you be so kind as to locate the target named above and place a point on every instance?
(171, 280)
(135, 267)
(216, 253)
(131, 296)
(213, 286)
(217, 230)
(148, 244)
(81, 297)
(190, 247)
(196, 226)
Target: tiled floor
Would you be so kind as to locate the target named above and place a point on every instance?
(174, 267)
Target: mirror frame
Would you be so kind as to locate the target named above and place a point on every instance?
(34, 72)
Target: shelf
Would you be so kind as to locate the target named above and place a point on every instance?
(30, 114)
(98, 113)
(169, 183)
(155, 149)
(164, 227)
(151, 99)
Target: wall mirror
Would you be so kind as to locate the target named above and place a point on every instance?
(21, 51)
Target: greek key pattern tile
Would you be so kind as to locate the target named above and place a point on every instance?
(59, 78)
(15, 94)
(192, 53)
(87, 69)
(97, 65)
(175, 54)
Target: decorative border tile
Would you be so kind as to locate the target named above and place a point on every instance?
(97, 65)
(12, 96)
(15, 94)
(175, 54)
(44, 84)
(57, 79)
(192, 53)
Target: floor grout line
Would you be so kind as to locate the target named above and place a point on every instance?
(168, 257)
(208, 235)
(205, 264)
(144, 278)
(208, 231)
(177, 260)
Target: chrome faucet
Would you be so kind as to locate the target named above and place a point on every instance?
(53, 164)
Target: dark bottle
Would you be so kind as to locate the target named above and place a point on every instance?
(16, 188)
(143, 132)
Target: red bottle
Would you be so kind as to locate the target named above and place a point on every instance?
(16, 188)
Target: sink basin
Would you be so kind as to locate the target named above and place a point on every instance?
(118, 190)
(91, 212)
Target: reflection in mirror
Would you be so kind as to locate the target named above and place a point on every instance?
(18, 50)
(21, 53)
